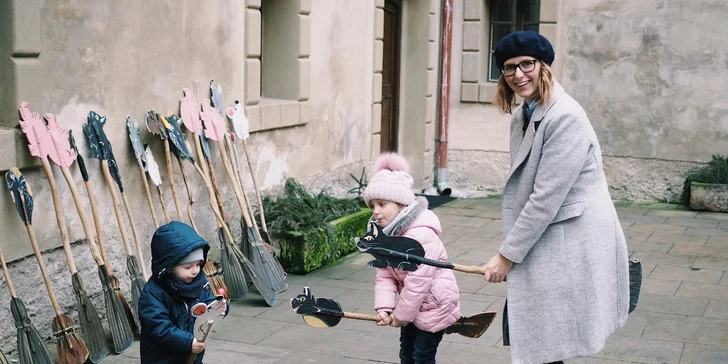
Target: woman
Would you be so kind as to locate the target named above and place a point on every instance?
(564, 251)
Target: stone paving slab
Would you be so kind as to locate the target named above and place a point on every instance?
(682, 315)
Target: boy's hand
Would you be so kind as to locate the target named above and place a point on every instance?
(197, 347)
(386, 319)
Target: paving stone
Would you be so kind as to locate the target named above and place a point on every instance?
(475, 221)
(686, 274)
(717, 309)
(671, 260)
(660, 286)
(723, 225)
(640, 218)
(636, 236)
(491, 214)
(682, 221)
(662, 228)
(246, 329)
(376, 347)
(648, 247)
(366, 275)
(222, 351)
(635, 211)
(703, 231)
(332, 341)
(722, 216)
(701, 251)
(596, 361)
(494, 289)
(703, 290)
(625, 224)
(470, 283)
(711, 263)
(717, 241)
(641, 350)
(662, 237)
(672, 305)
(671, 213)
(338, 271)
(307, 357)
(634, 327)
(685, 331)
(458, 353)
(703, 354)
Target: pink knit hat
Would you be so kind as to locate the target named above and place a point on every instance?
(391, 180)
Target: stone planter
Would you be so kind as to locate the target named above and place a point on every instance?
(709, 197)
(305, 251)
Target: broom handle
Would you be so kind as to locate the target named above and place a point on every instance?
(255, 185)
(137, 244)
(42, 266)
(149, 196)
(242, 190)
(216, 189)
(59, 215)
(361, 316)
(468, 268)
(170, 173)
(238, 194)
(97, 224)
(82, 214)
(189, 195)
(119, 219)
(164, 206)
(11, 288)
(211, 194)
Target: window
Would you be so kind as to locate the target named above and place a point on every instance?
(508, 16)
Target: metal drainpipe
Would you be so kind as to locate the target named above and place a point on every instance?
(443, 108)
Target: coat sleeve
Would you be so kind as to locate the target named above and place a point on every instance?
(565, 149)
(153, 315)
(417, 284)
(385, 290)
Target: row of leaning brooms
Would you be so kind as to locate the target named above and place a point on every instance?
(246, 264)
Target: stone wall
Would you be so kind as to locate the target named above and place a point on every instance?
(647, 73)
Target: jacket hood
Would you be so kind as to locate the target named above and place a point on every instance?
(172, 242)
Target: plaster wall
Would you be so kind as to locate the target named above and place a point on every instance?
(125, 58)
(649, 76)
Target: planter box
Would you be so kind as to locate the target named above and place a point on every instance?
(709, 197)
(305, 251)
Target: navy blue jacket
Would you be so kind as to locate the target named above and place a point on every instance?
(166, 321)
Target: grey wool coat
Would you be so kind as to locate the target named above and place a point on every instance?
(568, 288)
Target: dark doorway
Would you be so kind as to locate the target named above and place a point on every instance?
(390, 75)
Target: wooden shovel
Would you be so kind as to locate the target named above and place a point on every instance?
(326, 312)
(71, 348)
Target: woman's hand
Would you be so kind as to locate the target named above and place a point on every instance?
(197, 347)
(385, 318)
(497, 268)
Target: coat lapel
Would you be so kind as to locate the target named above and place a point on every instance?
(525, 142)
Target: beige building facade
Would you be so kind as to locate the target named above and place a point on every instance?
(327, 85)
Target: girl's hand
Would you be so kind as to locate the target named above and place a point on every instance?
(397, 323)
(497, 268)
(386, 319)
(197, 347)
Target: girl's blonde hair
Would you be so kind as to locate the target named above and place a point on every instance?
(505, 98)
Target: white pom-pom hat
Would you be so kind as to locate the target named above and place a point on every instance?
(391, 180)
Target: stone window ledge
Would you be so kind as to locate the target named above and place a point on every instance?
(276, 113)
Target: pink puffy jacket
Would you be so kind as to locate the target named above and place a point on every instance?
(428, 297)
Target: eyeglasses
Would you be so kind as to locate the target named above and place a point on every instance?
(525, 67)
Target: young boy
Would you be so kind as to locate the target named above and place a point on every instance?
(177, 284)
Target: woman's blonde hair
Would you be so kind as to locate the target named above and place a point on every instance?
(505, 98)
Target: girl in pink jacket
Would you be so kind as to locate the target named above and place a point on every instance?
(429, 298)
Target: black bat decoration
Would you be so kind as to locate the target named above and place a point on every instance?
(179, 142)
(21, 194)
(79, 158)
(398, 252)
(155, 125)
(325, 310)
(100, 145)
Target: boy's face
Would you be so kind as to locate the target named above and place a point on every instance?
(188, 271)
(384, 211)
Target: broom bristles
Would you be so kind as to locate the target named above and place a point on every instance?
(31, 348)
(233, 273)
(122, 329)
(71, 348)
(215, 279)
(96, 346)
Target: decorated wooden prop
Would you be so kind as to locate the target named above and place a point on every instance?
(216, 130)
(101, 149)
(156, 126)
(401, 252)
(42, 146)
(138, 146)
(31, 349)
(153, 170)
(237, 285)
(216, 95)
(121, 329)
(71, 348)
(326, 312)
(207, 319)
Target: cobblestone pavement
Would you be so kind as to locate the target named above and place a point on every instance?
(682, 316)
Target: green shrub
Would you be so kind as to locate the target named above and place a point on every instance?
(715, 172)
